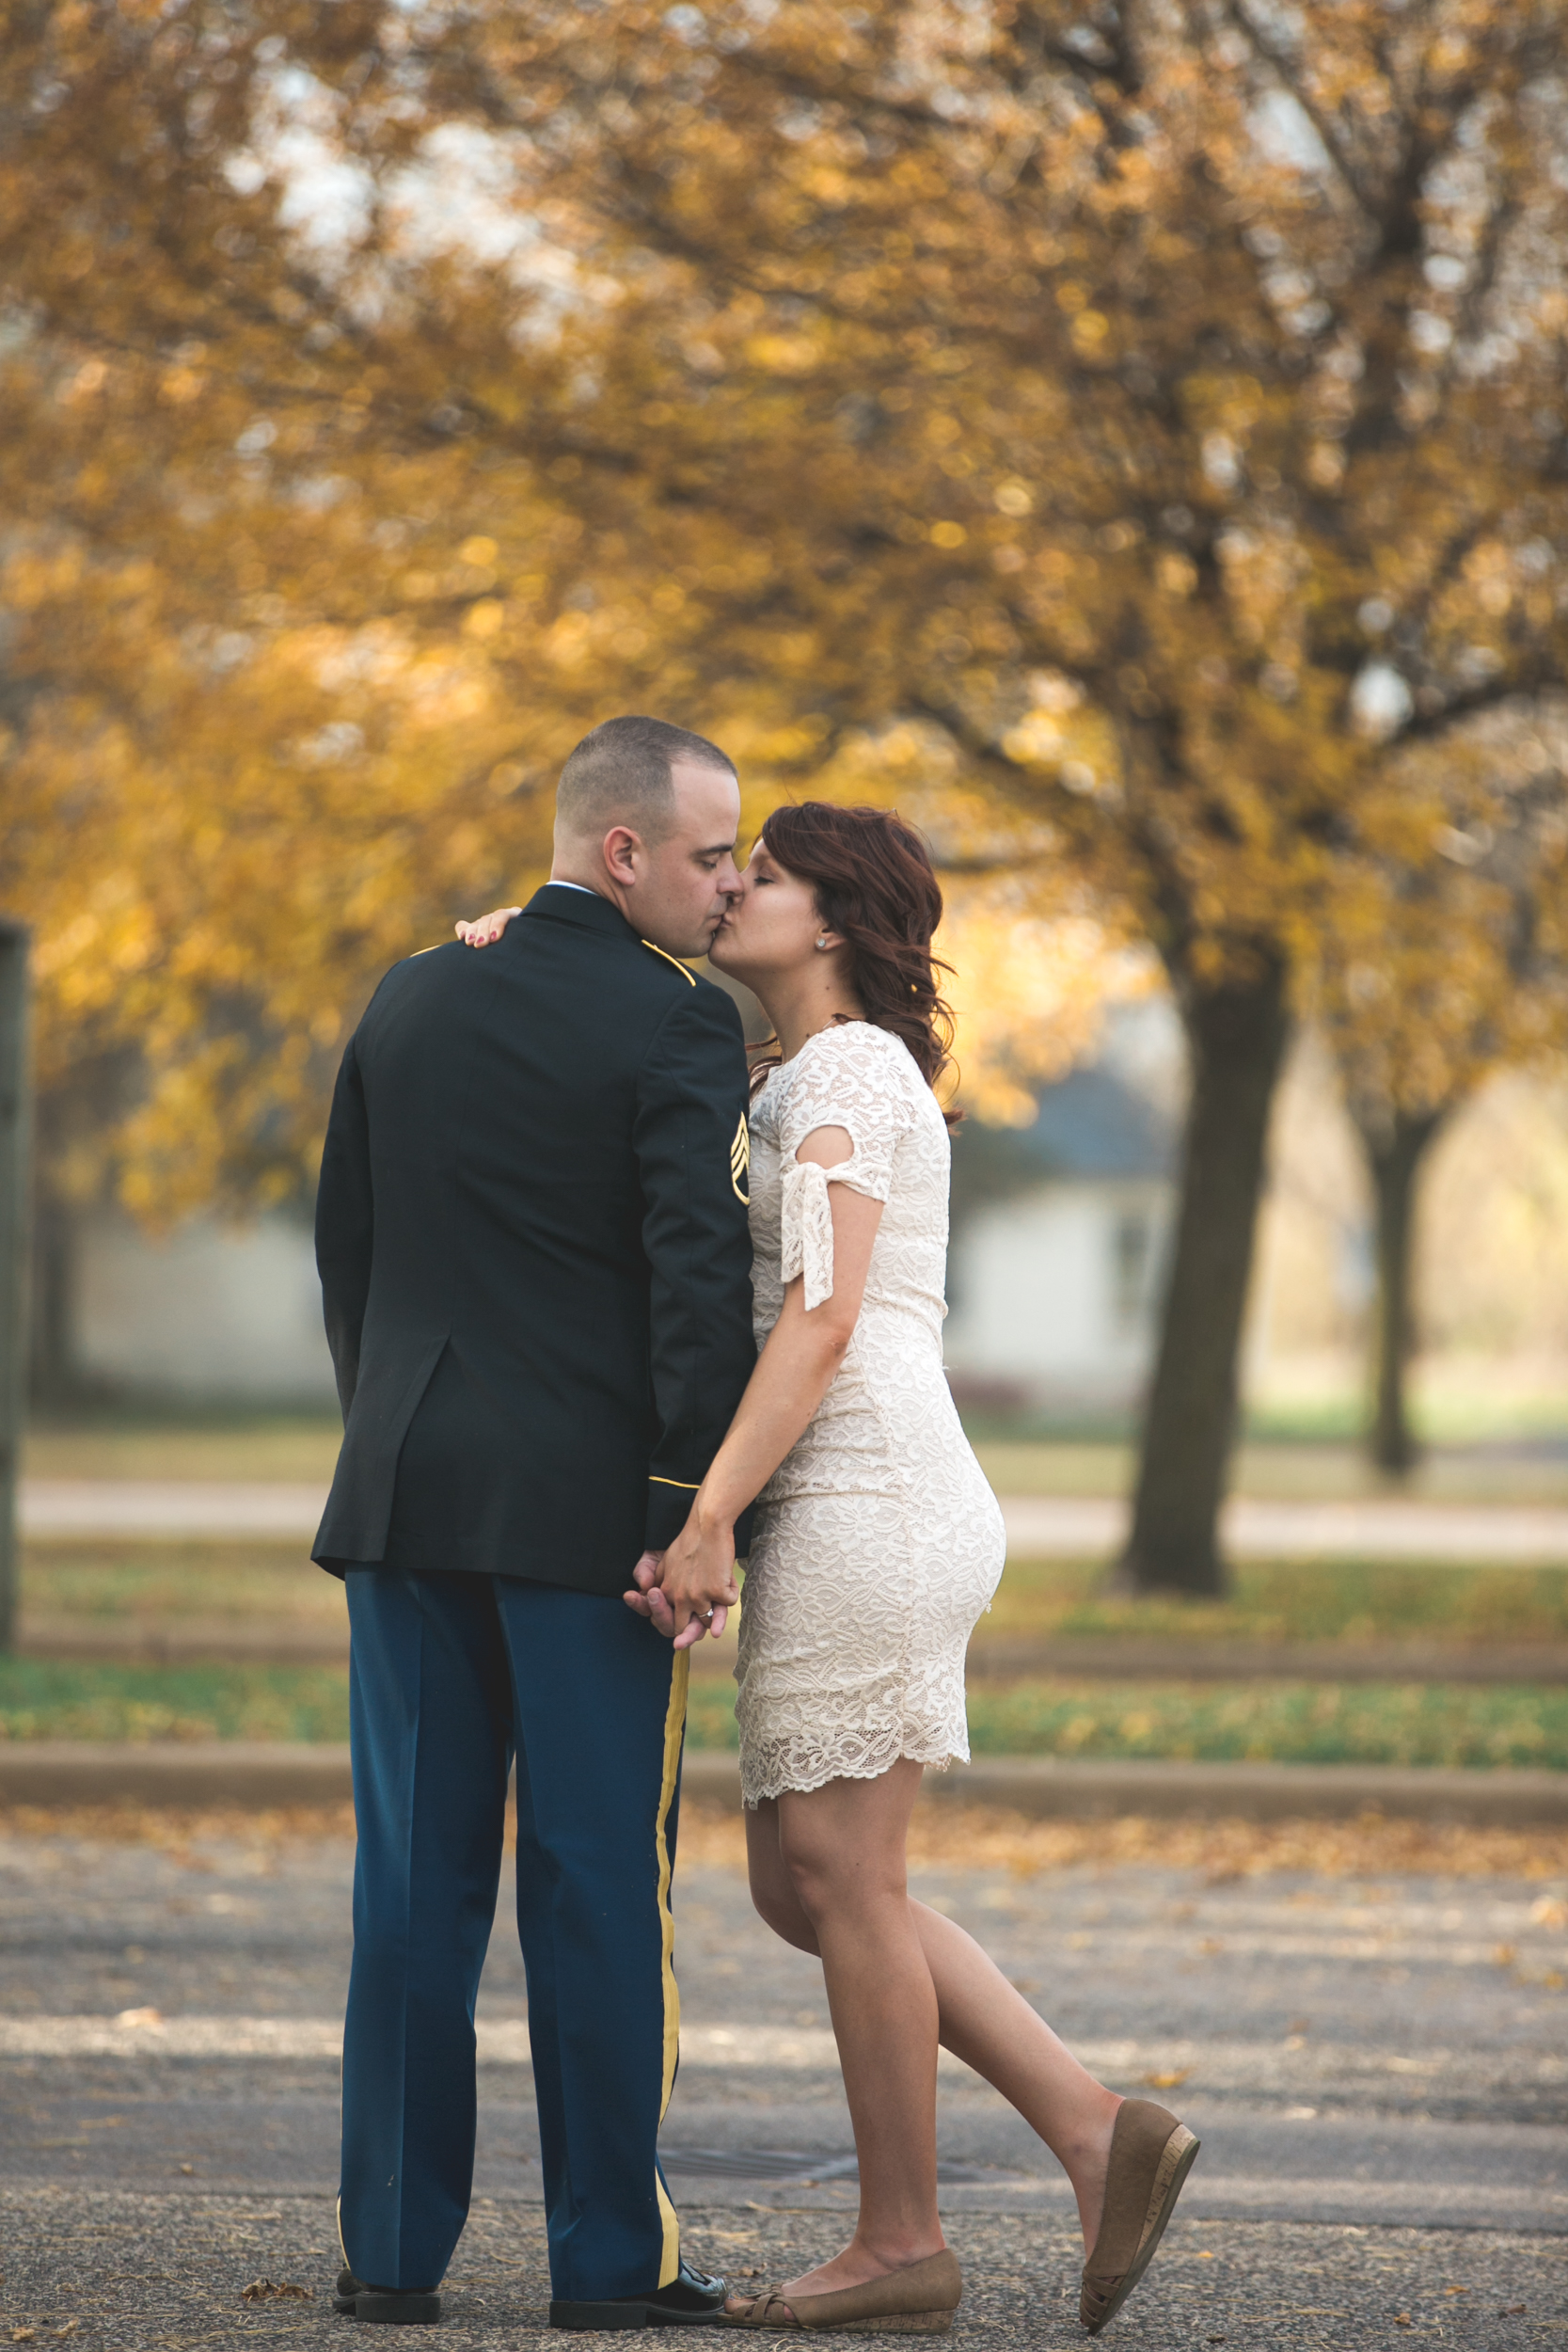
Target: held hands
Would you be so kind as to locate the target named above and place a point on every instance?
(648, 1601)
(488, 928)
(690, 1589)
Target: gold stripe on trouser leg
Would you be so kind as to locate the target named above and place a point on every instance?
(674, 1723)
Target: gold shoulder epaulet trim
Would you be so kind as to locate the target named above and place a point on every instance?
(690, 977)
(426, 951)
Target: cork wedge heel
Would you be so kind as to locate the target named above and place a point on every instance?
(1152, 2155)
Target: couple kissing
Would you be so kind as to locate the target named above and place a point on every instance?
(613, 1313)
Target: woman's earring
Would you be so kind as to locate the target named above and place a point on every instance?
(823, 940)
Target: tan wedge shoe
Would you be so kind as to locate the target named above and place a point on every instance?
(1152, 2155)
(918, 2300)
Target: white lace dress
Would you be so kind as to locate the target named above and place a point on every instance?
(877, 1542)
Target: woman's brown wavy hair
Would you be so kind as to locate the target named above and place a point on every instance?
(871, 880)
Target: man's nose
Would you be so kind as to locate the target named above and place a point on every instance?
(730, 884)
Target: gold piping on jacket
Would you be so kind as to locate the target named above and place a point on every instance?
(674, 963)
(687, 1486)
(740, 1163)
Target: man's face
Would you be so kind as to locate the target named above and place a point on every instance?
(685, 881)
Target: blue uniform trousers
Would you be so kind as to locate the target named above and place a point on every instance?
(450, 1675)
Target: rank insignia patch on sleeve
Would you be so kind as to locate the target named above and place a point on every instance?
(740, 1162)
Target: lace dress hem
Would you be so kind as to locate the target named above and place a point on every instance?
(763, 1779)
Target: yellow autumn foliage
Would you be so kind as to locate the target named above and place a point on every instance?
(1101, 436)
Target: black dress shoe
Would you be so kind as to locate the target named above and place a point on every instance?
(393, 2307)
(691, 2299)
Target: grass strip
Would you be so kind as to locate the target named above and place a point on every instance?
(220, 1444)
(1292, 1600)
(1282, 1722)
(1314, 1600)
(43, 1698)
(134, 1579)
(1285, 1723)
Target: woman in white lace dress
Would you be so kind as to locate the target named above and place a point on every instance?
(877, 1545)
(878, 1541)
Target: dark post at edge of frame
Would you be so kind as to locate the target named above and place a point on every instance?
(15, 1170)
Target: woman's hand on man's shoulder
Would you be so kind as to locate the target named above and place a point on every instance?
(488, 928)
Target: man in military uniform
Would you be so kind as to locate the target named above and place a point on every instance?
(533, 1252)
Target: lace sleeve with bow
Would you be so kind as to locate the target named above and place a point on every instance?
(856, 1077)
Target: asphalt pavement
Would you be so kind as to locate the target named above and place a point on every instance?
(1379, 2073)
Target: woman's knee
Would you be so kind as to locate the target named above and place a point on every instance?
(775, 1903)
(773, 1896)
(828, 1879)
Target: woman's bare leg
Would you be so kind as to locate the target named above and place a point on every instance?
(982, 2019)
(987, 2023)
(841, 1852)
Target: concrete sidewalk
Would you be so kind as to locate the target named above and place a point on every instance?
(1038, 1526)
(1501, 1535)
(67, 1509)
(262, 1775)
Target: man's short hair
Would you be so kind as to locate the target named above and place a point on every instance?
(621, 775)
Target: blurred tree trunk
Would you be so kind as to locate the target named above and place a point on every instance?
(1396, 1143)
(54, 1378)
(1237, 1033)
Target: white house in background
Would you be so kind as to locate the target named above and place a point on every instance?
(1061, 1231)
(213, 1314)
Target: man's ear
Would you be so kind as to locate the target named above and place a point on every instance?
(620, 845)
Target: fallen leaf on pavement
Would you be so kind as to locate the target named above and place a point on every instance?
(1170, 2081)
(275, 2290)
(941, 1837)
(22, 2335)
(69, 2329)
(1402, 2319)
(1511, 2310)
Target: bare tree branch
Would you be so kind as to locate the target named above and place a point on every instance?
(1430, 727)
(1278, 57)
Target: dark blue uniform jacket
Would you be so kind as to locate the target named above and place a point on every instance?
(533, 1252)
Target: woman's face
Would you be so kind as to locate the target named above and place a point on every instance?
(772, 926)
